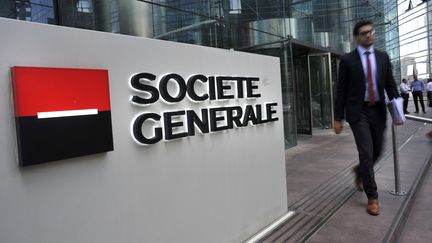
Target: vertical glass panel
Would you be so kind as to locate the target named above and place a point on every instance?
(320, 80)
(288, 95)
(76, 14)
(284, 52)
(304, 122)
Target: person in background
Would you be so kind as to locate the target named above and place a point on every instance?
(364, 74)
(417, 91)
(429, 92)
(405, 90)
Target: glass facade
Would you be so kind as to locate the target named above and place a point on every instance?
(36, 11)
(415, 38)
(308, 36)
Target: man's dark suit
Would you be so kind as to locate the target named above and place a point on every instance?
(367, 122)
(351, 85)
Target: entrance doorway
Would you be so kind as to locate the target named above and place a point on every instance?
(307, 79)
(314, 75)
(320, 79)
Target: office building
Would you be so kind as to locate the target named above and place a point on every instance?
(415, 38)
(308, 37)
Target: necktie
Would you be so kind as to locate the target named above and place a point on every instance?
(370, 80)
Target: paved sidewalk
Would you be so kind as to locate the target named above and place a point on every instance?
(351, 223)
(316, 159)
(418, 227)
(321, 190)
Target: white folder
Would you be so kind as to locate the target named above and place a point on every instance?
(395, 108)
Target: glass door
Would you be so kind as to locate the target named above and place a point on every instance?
(301, 72)
(320, 81)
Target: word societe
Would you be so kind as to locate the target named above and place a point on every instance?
(212, 119)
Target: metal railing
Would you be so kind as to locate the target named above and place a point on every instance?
(397, 191)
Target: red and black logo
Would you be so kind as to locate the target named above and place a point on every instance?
(61, 113)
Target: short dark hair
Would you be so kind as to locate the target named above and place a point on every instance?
(360, 24)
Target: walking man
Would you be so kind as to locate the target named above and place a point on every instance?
(417, 91)
(364, 74)
(405, 90)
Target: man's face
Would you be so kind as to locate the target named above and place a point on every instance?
(365, 36)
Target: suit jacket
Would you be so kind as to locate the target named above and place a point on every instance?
(351, 85)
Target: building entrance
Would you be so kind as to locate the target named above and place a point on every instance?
(314, 76)
(308, 74)
(320, 79)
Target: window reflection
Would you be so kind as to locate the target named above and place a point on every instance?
(84, 6)
(413, 36)
(34, 10)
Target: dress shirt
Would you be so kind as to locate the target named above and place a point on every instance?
(429, 86)
(417, 85)
(372, 60)
(404, 88)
